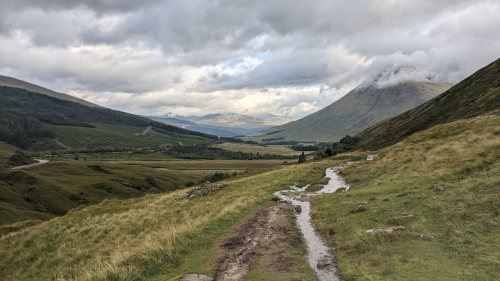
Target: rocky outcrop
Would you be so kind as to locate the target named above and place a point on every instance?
(204, 189)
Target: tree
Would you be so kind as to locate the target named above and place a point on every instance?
(302, 158)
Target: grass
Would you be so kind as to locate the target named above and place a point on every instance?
(269, 149)
(139, 238)
(448, 178)
(6, 150)
(112, 136)
(45, 191)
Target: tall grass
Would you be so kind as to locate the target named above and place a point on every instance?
(452, 174)
(138, 238)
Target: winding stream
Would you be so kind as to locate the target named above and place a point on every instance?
(319, 256)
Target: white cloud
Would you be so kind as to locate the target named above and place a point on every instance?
(253, 57)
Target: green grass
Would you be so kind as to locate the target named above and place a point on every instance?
(138, 238)
(269, 149)
(45, 191)
(463, 158)
(114, 136)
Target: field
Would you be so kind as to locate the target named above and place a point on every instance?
(45, 191)
(269, 149)
(442, 184)
(162, 235)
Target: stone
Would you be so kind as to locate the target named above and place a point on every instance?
(374, 231)
(324, 262)
(204, 189)
(298, 208)
(363, 203)
(424, 237)
(388, 230)
(196, 277)
(406, 193)
(359, 209)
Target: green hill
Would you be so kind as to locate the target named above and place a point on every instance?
(360, 108)
(39, 122)
(16, 83)
(478, 94)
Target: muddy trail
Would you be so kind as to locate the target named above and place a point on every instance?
(267, 237)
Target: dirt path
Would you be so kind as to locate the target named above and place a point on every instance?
(266, 236)
(40, 162)
(143, 133)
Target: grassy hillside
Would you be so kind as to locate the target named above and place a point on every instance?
(16, 83)
(360, 108)
(29, 118)
(443, 183)
(160, 235)
(476, 95)
(448, 187)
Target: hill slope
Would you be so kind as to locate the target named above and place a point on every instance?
(28, 118)
(16, 83)
(360, 108)
(476, 95)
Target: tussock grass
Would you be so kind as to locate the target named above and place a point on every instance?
(138, 238)
(448, 178)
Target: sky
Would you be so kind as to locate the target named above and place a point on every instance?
(253, 57)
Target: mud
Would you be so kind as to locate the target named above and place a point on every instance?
(267, 236)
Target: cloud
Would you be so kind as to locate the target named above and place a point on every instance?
(253, 56)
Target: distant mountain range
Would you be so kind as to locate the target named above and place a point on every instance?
(225, 125)
(364, 106)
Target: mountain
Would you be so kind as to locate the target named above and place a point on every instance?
(16, 83)
(225, 125)
(232, 120)
(364, 106)
(478, 94)
(41, 122)
(207, 129)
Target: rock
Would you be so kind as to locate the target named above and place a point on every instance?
(408, 216)
(439, 188)
(394, 228)
(324, 262)
(424, 237)
(298, 208)
(359, 209)
(363, 203)
(196, 277)
(374, 231)
(204, 189)
(406, 193)
(371, 157)
(388, 230)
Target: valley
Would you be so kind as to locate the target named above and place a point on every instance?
(201, 149)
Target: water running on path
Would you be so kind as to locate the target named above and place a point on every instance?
(319, 256)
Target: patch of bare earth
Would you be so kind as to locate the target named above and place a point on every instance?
(265, 236)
